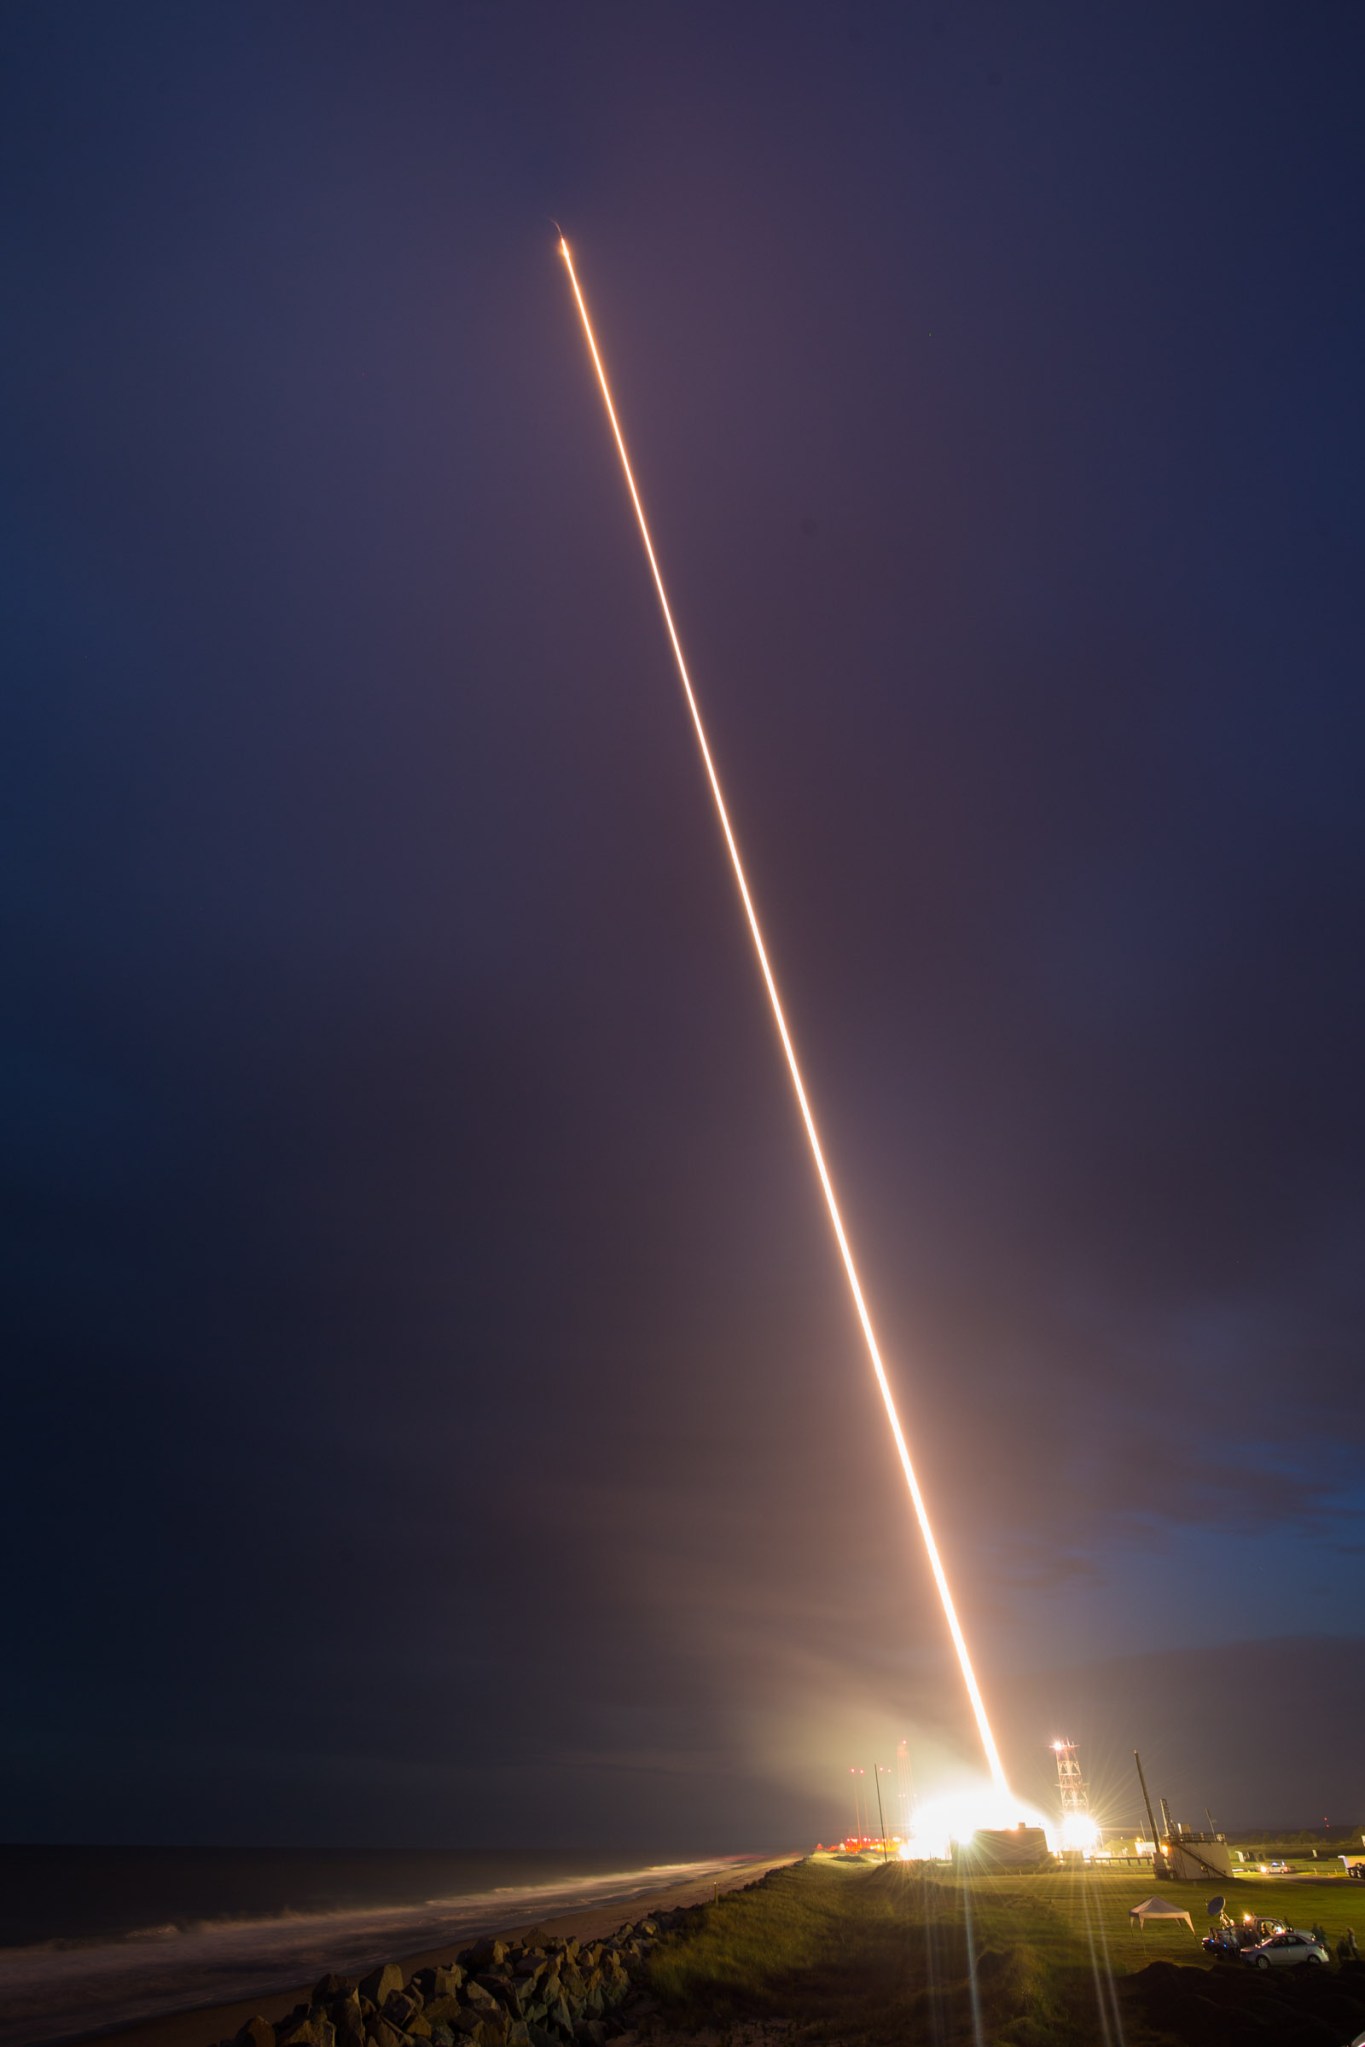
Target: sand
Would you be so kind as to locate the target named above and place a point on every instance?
(212, 2023)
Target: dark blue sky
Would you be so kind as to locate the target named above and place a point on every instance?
(433, 1412)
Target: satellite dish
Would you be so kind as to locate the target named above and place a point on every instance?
(1215, 1906)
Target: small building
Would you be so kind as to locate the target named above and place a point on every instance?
(1190, 1858)
(991, 1848)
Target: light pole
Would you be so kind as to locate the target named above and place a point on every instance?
(855, 1773)
(878, 1772)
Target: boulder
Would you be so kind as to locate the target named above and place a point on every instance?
(314, 2029)
(441, 2006)
(330, 1988)
(489, 2028)
(380, 1984)
(442, 1981)
(499, 1988)
(486, 1954)
(615, 1981)
(257, 2032)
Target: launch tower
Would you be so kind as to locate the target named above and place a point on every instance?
(1070, 1783)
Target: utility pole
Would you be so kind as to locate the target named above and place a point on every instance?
(1157, 1864)
(881, 1820)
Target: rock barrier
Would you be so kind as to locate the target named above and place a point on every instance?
(540, 1991)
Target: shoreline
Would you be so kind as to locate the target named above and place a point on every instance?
(206, 2025)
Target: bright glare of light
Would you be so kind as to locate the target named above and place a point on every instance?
(917, 1500)
(956, 1816)
(1079, 1832)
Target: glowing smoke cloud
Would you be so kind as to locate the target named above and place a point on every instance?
(855, 1288)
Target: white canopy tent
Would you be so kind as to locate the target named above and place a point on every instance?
(1161, 1910)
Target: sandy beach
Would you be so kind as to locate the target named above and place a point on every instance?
(209, 2024)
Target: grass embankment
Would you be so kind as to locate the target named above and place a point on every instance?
(867, 1956)
(871, 1956)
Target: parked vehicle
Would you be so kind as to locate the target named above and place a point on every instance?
(1285, 1950)
(1233, 1938)
(1226, 1943)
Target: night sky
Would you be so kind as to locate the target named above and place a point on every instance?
(433, 1411)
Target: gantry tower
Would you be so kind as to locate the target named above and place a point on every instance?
(1070, 1783)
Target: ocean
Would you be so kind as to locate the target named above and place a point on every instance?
(91, 1938)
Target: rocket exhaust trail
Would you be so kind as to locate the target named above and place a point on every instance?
(855, 1287)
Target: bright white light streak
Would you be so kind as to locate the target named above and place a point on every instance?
(978, 1704)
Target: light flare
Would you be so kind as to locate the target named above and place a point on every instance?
(1079, 1832)
(957, 1815)
(959, 1641)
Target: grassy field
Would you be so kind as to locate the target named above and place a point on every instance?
(871, 1956)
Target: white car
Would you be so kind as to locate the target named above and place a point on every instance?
(1283, 1950)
